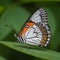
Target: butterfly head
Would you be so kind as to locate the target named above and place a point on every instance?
(18, 38)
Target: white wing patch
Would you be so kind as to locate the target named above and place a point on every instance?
(33, 35)
(30, 33)
(35, 17)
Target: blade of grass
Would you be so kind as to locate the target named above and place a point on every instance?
(32, 50)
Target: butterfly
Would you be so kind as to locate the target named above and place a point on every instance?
(35, 30)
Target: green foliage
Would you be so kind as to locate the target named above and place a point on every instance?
(11, 19)
(33, 50)
(13, 14)
(2, 58)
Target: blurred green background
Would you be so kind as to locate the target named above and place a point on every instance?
(13, 14)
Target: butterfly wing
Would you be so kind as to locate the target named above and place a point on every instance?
(33, 35)
(40, 19)
(36, 30)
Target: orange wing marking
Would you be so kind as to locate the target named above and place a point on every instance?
(25, 28)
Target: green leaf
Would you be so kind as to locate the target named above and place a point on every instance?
(51, 21)
(13, 18)
(2, 58)
(4, 30)
(1, 9)
(33, 50)
(17, 17)
(55, 42)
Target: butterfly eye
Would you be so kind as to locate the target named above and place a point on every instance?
(27, 26)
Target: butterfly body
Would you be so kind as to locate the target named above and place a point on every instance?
(36, 30)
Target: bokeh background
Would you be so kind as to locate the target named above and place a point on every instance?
(13, 14)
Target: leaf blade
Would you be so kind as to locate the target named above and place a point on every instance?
(45, 54)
